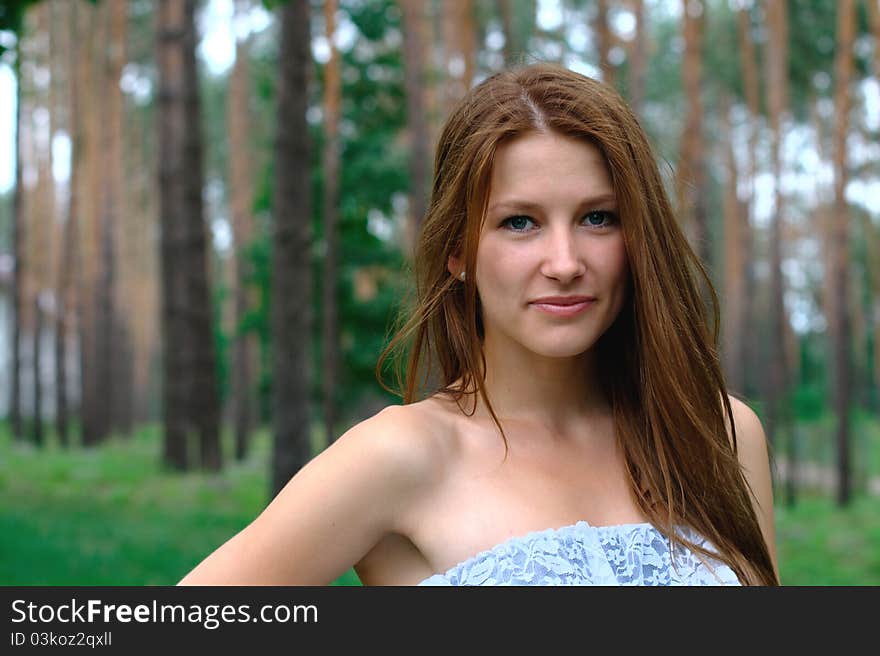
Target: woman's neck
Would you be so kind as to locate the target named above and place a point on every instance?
(553, 393)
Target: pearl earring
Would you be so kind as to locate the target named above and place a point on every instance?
(461, 275)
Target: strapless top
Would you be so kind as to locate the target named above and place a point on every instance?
(581, 554)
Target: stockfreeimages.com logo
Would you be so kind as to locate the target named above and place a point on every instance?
(210, 616)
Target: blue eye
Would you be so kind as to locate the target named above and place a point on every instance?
(600, 218)
(517, 223)
(593, 219)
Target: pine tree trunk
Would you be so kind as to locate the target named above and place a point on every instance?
(18, 241)
(104, 282)
(603, 45)
(434, 57)
(690, 178)
(752, 93)
(241, 196)
(90, 79)
(872, 248)
(840, 325)
(638, 58)
(331, 164)
(144, 259)
(111, 381)
(121, 372)
(459, 36)
(204, 401)
(777, 102)
(37, 426)
(43, 216)
(176, 345)
(511, 51)
(858, 324)
(734, 270)
(291, 251)
(874, 257)
(874, 23)
(413, 45)
(67, 245)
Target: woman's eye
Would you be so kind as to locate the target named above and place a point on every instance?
(517, 223)
(600, 218)
(594, 219)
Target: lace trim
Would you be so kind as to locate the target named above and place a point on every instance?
(581, 554)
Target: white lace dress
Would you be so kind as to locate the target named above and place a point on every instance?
(581, 554)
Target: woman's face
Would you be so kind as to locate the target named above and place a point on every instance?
(551, 266)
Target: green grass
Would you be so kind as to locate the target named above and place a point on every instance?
(112, 516)
(820, 544)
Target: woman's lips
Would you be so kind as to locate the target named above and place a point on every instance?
(560, 310)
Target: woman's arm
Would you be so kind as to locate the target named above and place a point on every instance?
(752, 451)
(331, 513)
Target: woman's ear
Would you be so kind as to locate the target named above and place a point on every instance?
(454, 266)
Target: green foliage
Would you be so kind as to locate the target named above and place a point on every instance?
(721, 59)
(809, 401)
(222, 340)
(12, 14)
(12, 18)
(256, 320)
(373, 171)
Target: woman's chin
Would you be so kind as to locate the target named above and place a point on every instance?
(561, 351)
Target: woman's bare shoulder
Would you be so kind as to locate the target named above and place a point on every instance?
(753, 454)
(749, 430)
(337, 507)
(413, 438)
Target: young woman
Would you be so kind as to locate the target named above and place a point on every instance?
(578, 430)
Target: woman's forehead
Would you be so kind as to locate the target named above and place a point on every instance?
(539, 165)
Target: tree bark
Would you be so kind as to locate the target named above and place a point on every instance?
(413, 45)
(143, 258)
(734, 264)
(109, 355)
(433, 96)
(291, 251)
(603, 37)
(42, 217)
(241, 197)
(511, 50)
(120, 417)
(37, 426)
(204, 406)
(840, 324)
(67, 243)
(777, 75)
(175, 338)
(459, 36)
(872, 282)
(18, 241)
(331, 165)
(874, 24)
(191, 403)
(690, 178)
(752, 92)
(874, 295)
(87, 270)
(638, 59)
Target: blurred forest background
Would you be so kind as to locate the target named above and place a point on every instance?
(207, 211)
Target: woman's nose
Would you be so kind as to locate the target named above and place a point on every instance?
(562, 260)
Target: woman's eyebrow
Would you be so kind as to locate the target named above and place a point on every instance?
(529, 206)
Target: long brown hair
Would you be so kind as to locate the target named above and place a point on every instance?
(658, 361)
